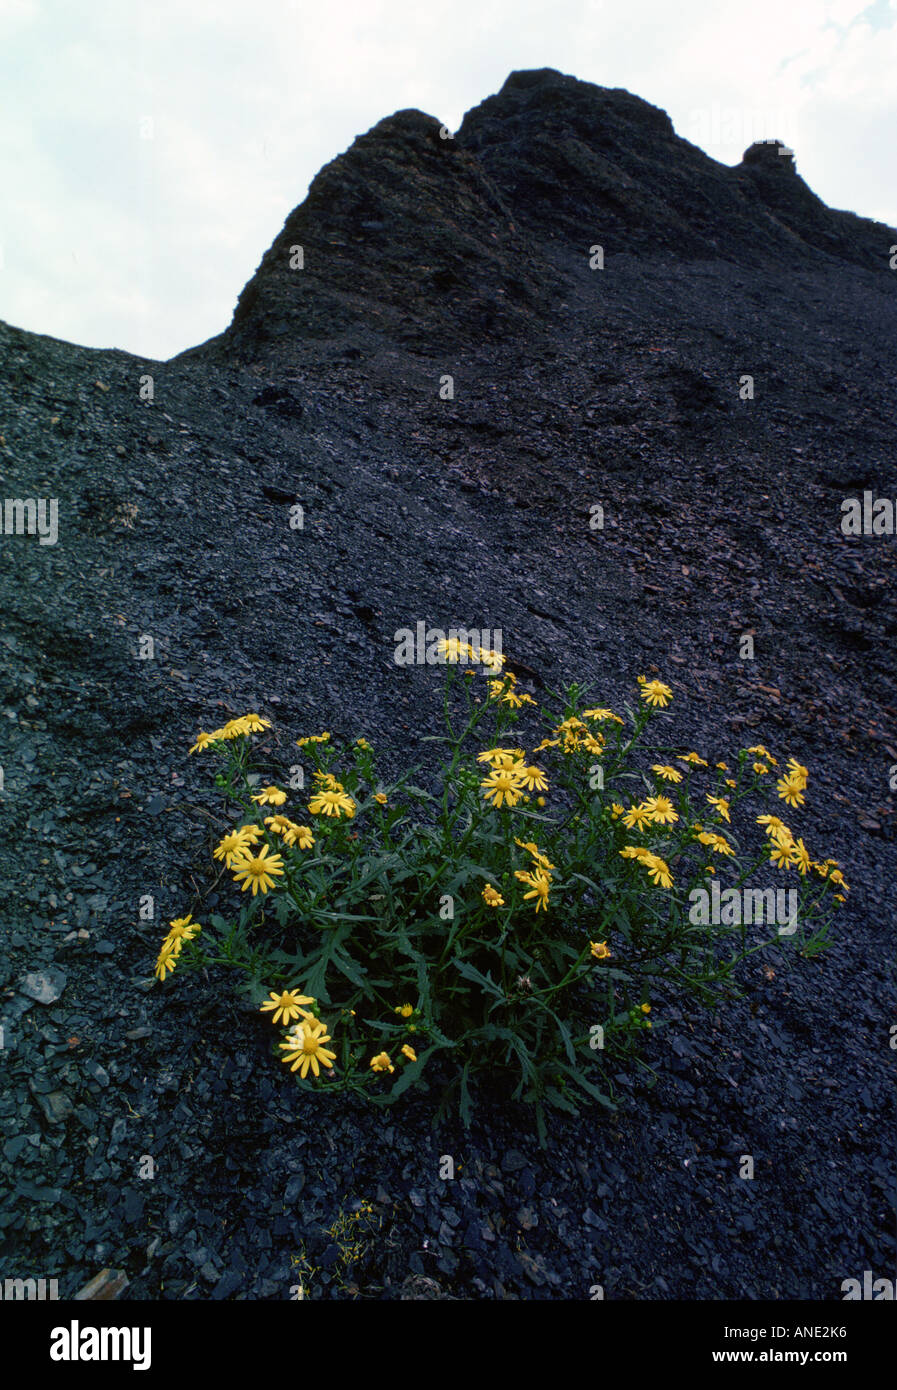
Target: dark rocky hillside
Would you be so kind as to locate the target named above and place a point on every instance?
(429, 254)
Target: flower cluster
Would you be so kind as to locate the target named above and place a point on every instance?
(180, 930)
(510, 776)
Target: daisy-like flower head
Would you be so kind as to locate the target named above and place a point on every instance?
(404, 1010)
(258, 871)
(601, 714)
(655, 692)
(533, 778)
(202, 741)
(452, 651)
(286, 1006)
(773, 825)
(312, 738)
(721, 804)
(660, 810)
(491, 897)
(409, 1052)
(694, 758)
(796, 773)
(658, 871)
(800, 857)
(761, 769)
(363, 744)
(669, 774)
(299, 835)
(717, 843)
(790, 791)
(235, 728)
(539, 885)
(255, 723)
(635, 852)
(501, 757)
(278, 824)
(493, 661)
(165, 962)
(332, 803)
(181, 930)
(304, 1049)
(380, 798)
(637, 816)
(616, 810)
(381, 1062)
(270, 796)
(503, 785)
(547, 743)
(599, 950)
(781, 852)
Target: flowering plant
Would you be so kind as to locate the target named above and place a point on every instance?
(518, 926)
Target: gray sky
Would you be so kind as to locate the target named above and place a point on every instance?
(150, 150)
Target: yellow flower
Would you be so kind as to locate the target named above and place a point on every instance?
(540, 884)
(801, 857)
(491, 897)
(362, 743)
(694, 758)
(165, 962)
(791, 791)
(235, 728)
(406, 1010)
(601, 714)
(270, 796)
(257, 870)
(773, 825)
(381, 1062)
(669, 774)
(645, 1008)
(312, 738)
(305, 1048)
(181, 930)
(409, 1052)
(533, 778)
(278, 824)
(290, 832)
(453, 651)
(255, 723)
(286, 1006)
(616, 810)
(660, 810)
(501, 757)
(721, 804)
(637, 816)
(202, 741)
(658, 871)
(599, 950)
(332, 803)
(761, 769)
(655, 692)
(380, 798)
(502, 785)
(717, 843)
(494, 661)
(781, 851)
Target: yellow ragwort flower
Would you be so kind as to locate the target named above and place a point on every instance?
(270, 796)
(286, 1006)
(655, 692)
(258, 871)
(491, 897)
